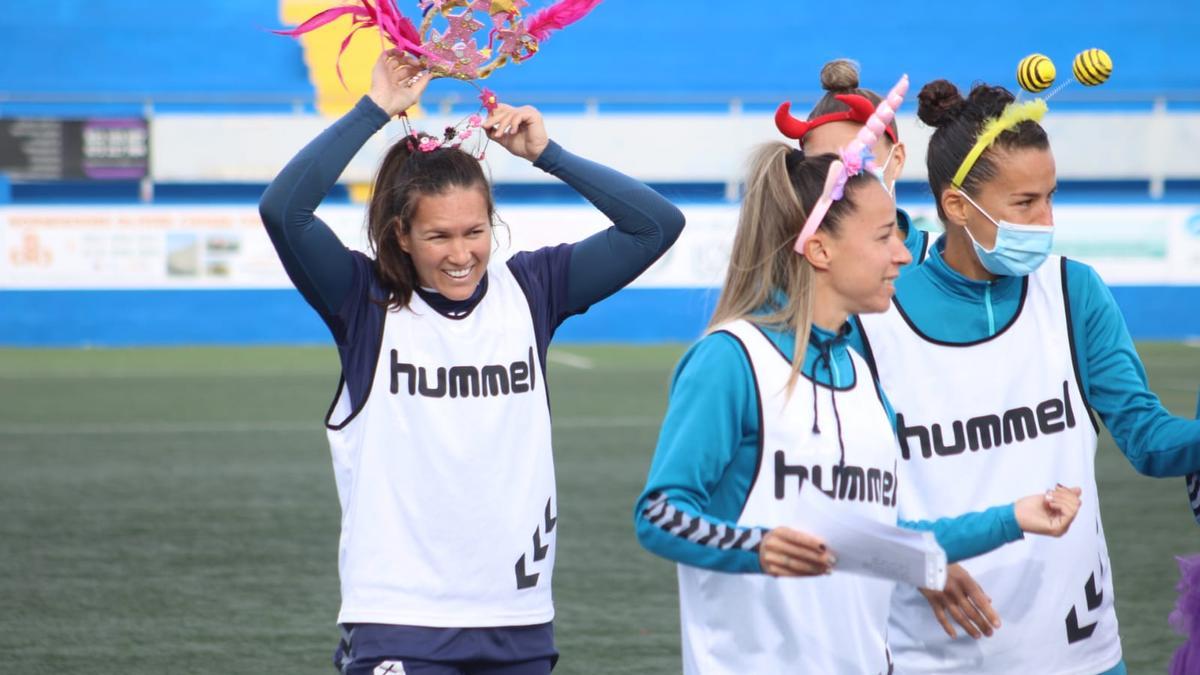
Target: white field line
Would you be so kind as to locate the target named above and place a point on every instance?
(572, 360)
(224, 427)
(215, 374)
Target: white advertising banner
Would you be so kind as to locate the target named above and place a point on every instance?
(131, 247)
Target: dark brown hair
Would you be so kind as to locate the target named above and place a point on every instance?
(406, 175)
(958, 122)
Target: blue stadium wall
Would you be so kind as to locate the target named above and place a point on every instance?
(55, 318)
(658, 50)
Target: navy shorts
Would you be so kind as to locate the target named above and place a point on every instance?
(382, 649)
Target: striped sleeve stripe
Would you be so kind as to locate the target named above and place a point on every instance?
(677, 517)
(727, 541)
(743, 538)
(658, 502)
(1193, 485)
(663, 515)
(686, 532)
(702, 533)
(713, 531)
(755, 540)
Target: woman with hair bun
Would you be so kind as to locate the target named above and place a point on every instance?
(998, 356)
(835, 120)
(440, 430)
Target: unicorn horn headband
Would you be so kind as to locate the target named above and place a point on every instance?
(854, 158)
(455, 51)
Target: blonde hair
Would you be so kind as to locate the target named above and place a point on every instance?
(781, 187)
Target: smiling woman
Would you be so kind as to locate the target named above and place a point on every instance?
(440, 431)
(450, 241)
(430, 223)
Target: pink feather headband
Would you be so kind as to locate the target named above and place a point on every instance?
(455, 51)
(854, 158)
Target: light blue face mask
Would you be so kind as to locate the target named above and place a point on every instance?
(1019, 249)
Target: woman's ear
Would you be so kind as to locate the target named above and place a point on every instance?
(817, 251)
(954, 206)
(899, 156)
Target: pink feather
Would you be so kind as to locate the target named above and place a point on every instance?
(322, 18)
(558, 16)
(388, 19)
(338, 63)
(399, 25)
(385, 15)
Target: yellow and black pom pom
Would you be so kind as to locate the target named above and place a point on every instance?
(1035, 73)
(1092, 67)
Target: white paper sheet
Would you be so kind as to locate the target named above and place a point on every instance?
(864, 546)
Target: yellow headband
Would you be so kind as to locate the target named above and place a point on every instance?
(1014, 114)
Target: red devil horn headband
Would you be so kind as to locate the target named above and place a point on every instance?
(860, 111)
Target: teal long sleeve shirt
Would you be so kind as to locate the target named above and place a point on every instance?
(707, 452)
(915, 240)
(949, 307)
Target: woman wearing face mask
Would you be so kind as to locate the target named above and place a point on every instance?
(749, 426)
(833, 123)
(996, 355)
(440, 431)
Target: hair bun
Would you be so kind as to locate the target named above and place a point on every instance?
(939, 103)
(987, 101)
(839, 76)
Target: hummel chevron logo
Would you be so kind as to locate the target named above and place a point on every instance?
(530, 580)
(539, 551)
(525, 578)
(1093, 597)
(1075, 632)
(550, 522)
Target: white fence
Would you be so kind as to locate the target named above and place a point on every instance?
(153, 247)
(689, 148)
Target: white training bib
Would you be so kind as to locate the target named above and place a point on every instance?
(445, 473)
(987, 423)
(753, 623)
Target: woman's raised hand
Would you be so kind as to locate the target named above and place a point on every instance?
(397, 82)
(1050, 513)
(520, 130)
